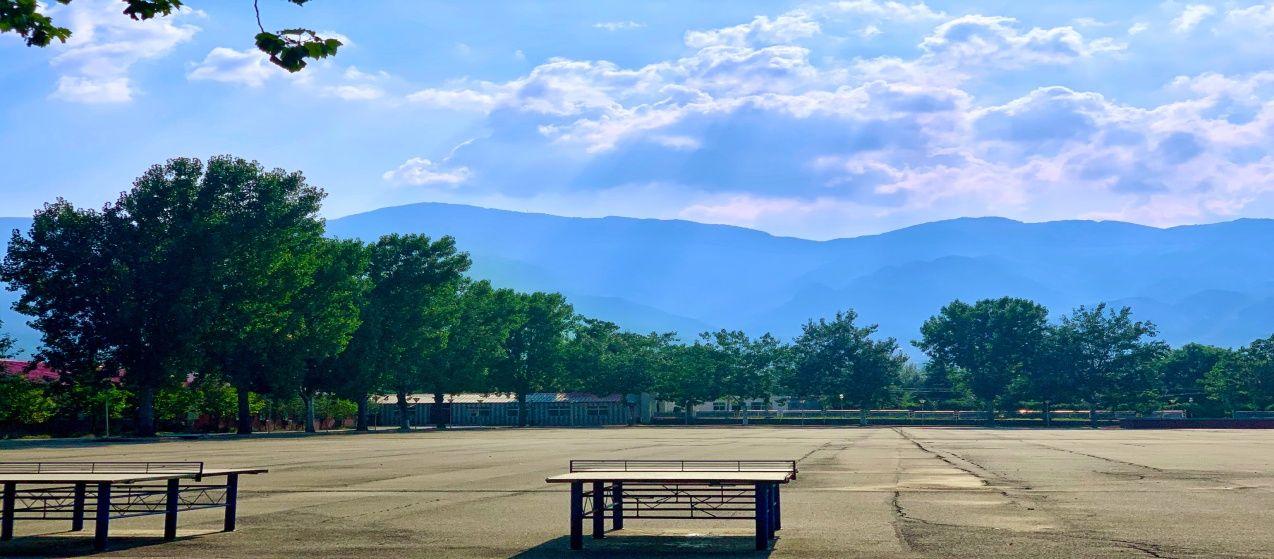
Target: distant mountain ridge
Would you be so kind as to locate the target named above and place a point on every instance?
(1208, 283)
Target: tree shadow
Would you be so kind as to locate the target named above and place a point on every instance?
(648, 546)
(78, 544)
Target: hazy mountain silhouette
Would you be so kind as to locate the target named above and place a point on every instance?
(1208, 283)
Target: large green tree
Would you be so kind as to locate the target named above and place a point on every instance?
(1244, 379)
(411, 304)
(266, 242)
(1107, 356)
(1182, 373)
(474, 338)
(604, 360)
(838, 360)
(690, 378)
(747, 368)
(287, 48)
(985, 346)
(324, 318)
(534, 352)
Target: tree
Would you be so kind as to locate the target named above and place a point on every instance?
(1046, 380)
(837, 359)
(265, 243)
(1106, 355)
(605, 360)
(747, 368)
(121, 290)
(689, 379)
(1182, 373)
(325, 316)
(987, 345)
(1244, 379)
(534, 351)
(6, 343)
(409, 307)
(473, 342)
(288, 48)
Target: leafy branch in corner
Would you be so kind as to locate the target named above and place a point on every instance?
(287, 48)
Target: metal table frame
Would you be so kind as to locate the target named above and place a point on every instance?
(676, 489)
(113, 490)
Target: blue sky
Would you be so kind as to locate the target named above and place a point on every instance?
(811, 119)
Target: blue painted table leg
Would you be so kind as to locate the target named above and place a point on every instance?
(6, 521)
(762, 516)
(101, 525)
(77, 507)
(599, 510)
(617, 501)
(170, 509)
(778, 508)
(232, 501)
(577, 515)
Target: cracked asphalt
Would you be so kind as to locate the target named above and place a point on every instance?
(874, 492)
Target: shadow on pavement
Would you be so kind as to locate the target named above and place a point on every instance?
(77, 544)
(648, 546)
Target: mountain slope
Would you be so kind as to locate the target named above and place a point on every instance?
(1209, 283)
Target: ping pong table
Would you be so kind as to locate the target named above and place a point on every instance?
(676, 489)
(112, 490)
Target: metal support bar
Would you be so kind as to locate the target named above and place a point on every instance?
(170, 509)
(762, 516)
(232, 500)
(102, 525)
(77, 507)
(6, 522)
(617, 505)
(599, 510)
(577, 515)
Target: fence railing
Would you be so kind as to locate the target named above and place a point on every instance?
(921, 415)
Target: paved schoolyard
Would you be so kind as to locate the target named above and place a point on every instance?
(876, 492)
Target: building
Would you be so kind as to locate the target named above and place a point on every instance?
(564, 409)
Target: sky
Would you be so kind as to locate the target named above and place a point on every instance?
(807, 119)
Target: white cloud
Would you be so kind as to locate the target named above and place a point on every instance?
(87, 90)
(869, 32)
(1138, 28)
(981, 40)
(890, 10)
(1258, 17)
(618, 25)
(1191, 16)
(759, 32)
(248, 67)
(419, 171)
(104, 46)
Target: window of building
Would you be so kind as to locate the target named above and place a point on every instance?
(596, 410)
(757, 406)
(721, 406)
(513, 411)
(483, 410)
(559, 410)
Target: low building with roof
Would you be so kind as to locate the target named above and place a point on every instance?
(562, 409)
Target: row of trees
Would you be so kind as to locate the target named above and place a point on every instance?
(219, 278)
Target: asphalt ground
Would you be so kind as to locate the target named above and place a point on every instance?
(873, 492)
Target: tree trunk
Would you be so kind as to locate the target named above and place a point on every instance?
(689, 412)
(362, 415)
(308, 397)
(1048, 413)
(404, 422)
(1092, 413)
(522, 422)
(245, 414)
(145, 412)
(436, 411)
(862, 415)
(990, 412)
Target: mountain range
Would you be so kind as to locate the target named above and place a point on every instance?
(1208, 283)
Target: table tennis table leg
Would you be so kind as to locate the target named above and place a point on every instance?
(170, 509)
(232, 501)
(599, 510)
(102, 522)
(77, 507)
(577, 515)
(6, 521)
(762, 491)
(617, 504)
(778, 508)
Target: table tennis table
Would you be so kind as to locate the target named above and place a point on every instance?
(112, 490)
(676, 489)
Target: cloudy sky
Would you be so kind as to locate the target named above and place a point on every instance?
(811, 119)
